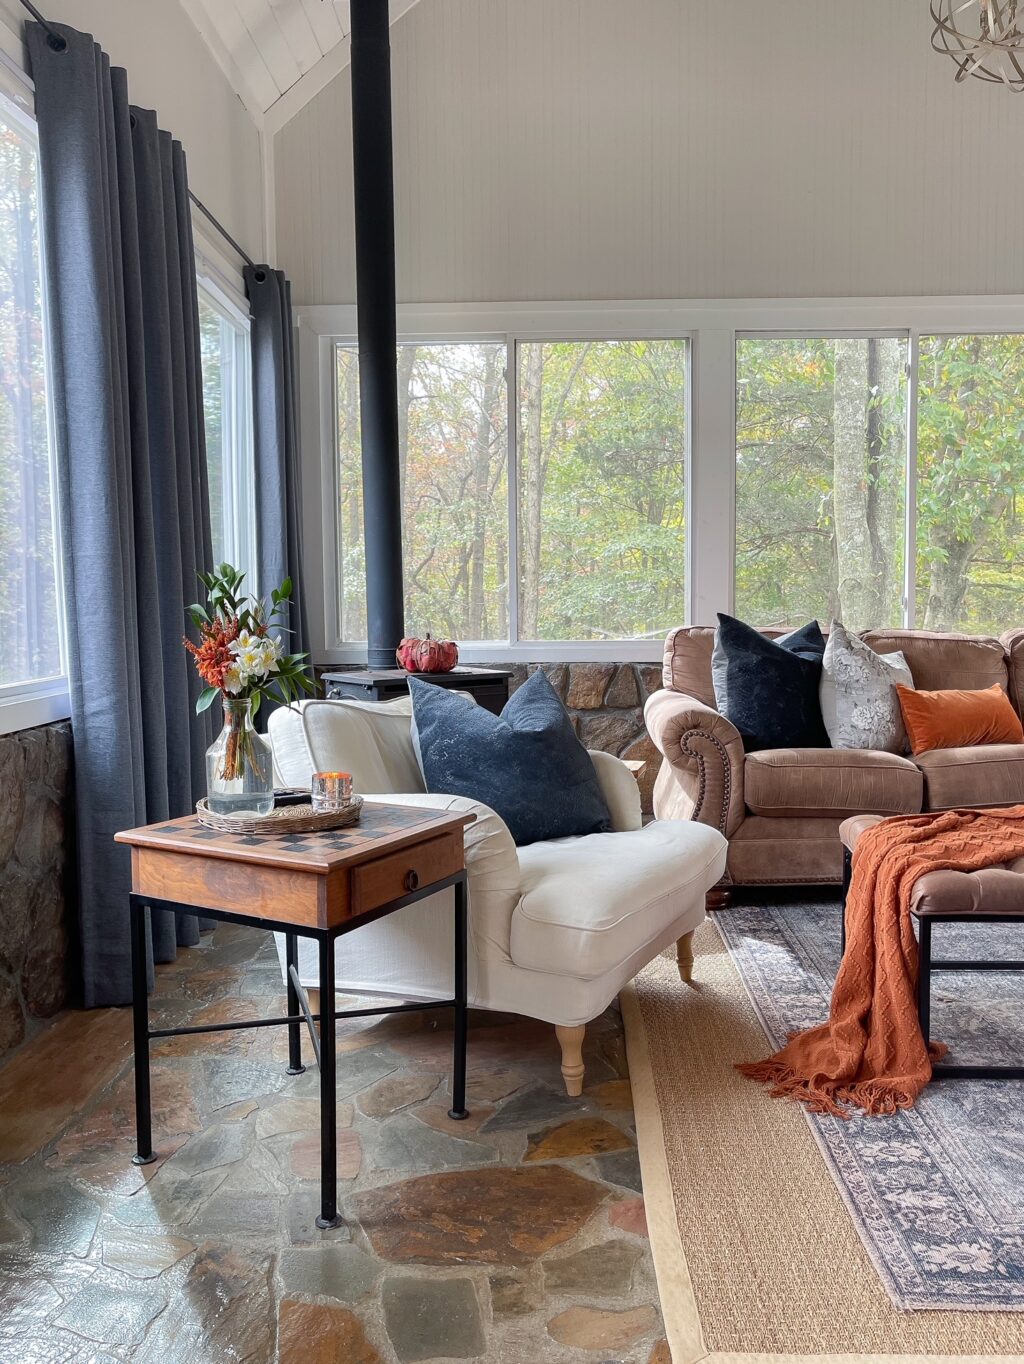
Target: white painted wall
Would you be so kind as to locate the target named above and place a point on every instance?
(170, 69)
(636, 149)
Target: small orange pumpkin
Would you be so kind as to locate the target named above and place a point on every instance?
(428, 655)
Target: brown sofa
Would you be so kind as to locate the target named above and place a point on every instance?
(781, 809)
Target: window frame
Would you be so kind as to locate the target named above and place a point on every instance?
(234, 308)
(41, 700)
(712, 327)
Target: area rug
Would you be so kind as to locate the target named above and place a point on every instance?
(756, 1248)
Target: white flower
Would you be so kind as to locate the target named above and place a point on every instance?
(233, 680)
(257, 655)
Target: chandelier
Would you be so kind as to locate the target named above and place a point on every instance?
(983, 37)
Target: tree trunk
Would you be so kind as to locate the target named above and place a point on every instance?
(406, 365)
(480, 496)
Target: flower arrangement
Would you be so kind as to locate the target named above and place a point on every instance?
(241, 661)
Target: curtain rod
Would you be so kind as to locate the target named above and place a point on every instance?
(59, 43)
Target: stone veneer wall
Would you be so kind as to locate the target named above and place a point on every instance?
(606, 702)
(35, 909)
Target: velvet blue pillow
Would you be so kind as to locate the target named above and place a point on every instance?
(526, 763)
(769, 688)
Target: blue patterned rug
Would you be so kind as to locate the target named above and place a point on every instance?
(937, 1192)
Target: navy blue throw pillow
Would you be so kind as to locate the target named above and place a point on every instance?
(769, 688)
(526, 763)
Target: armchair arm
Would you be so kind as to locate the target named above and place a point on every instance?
(491, 861)
(702, 776)
(620, 790)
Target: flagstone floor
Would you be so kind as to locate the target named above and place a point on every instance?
(517, 1237)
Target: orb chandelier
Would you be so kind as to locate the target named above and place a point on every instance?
(983, 37)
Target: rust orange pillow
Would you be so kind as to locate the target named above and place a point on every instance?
(958, 719)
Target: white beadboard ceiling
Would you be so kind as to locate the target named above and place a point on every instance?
(278, 54)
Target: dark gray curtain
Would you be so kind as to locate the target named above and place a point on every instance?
(135, 519)
(276, 443)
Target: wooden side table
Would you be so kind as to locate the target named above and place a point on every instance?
(316, 885)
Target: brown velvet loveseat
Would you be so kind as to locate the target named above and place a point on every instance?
(781, 809)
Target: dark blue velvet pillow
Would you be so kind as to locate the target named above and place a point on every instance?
(526, 763)
(769, 688)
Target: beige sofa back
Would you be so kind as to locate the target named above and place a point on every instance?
(938, 662)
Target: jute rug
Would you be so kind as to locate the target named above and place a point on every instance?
(756, 1256)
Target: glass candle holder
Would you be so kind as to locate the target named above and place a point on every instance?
(331, 791)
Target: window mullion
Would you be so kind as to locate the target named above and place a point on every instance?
(910, 510)
(512, 437)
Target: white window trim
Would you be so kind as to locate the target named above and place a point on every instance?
(712, 327)
(37, 701)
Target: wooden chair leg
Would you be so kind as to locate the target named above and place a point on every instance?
(571, 1042)
(314, 1003)
(684, 956)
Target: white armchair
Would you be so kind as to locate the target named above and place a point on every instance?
(555, 929)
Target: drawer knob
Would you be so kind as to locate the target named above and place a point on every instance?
(412, 880)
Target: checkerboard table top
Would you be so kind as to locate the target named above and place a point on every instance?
(381, 829)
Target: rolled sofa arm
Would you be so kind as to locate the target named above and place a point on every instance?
(702, 775)
(620, 790)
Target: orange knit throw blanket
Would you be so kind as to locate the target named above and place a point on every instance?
(871, 1054)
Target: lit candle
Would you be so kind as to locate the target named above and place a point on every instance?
(331, 790)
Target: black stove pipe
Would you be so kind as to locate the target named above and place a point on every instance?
(374, 197)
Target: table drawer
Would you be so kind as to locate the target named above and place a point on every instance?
(389, 878)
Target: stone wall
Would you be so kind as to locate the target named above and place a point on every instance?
(35, 908)
(606, 702)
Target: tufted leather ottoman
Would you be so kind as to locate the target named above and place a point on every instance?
(992, 895)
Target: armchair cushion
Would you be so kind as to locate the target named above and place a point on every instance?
(526, 763)
(589, 903)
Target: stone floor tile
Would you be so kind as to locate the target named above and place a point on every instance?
(436, 1115)
(60, 1347)
(230, 1215)
(331, 1271)
(629, 1215)
(532, 1106)
(514, 1295)
(492, 1216)
(27, 1297)
(300, 1213)
(621, 1167)
(593, 1328)
(141, 1255)
(493, 1084)
(612, 1095)
(61, 1219)
(395, 1092)
(223, 1144)
(223, 1312)
(228, 1080)
(110, 1315)
(49, 1079)
(297, 1115)
(433, 1318)
(169, 1200)
(604, 1270)
(661, 1354)
(304, 1155)
(404, 1143)
(311, 1333)
(578, 1137)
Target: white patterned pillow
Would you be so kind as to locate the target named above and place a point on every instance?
(859, 703)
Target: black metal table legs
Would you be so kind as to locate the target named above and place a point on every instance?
(458, 1109)
(144, 1153)
(323, 1041)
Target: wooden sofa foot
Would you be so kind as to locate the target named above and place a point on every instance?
(684, 956)
(571, 1042)
(720, 897)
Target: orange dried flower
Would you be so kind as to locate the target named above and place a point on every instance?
(212, 654)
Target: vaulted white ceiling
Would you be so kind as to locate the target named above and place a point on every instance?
(277, 54)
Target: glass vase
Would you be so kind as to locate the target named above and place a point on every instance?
(239, 765)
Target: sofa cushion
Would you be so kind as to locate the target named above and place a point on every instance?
(526, 763)
(990, 775)
(859, 704)
(943, 661)
(801, 850)
(959, 719)
(594, 901)
(831, 781)
(768, 688)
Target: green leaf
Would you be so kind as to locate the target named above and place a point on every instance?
(206, 699)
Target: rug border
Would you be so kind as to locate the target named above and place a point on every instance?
(679, 1307)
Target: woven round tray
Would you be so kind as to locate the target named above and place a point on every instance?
(289, 819)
